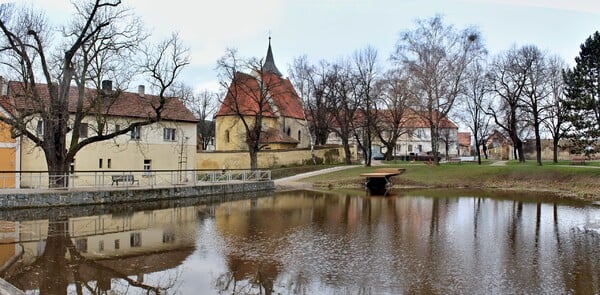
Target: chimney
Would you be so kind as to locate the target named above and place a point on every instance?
(106, 85)
(141, 90)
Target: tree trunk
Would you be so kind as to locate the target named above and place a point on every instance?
(58, 168)
(434, 144)
(555, 150)
(347, 152)
(253, 158)
(478, 153)
(520, 153)
(538, 145)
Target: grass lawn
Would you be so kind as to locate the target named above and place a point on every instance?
(563, 179)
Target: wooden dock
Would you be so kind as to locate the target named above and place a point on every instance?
(379, 181)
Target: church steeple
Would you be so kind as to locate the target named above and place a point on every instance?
(269, 65)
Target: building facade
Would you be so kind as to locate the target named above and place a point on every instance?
(270, 96)
(169, 144)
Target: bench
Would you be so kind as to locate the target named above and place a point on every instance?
(454, 160)
(124, 178)
(578, 161)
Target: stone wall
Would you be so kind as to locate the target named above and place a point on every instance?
(268, 158)
(57, 198)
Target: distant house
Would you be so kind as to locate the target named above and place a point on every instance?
(169, 144)
(283, 122)
(464, 144)
(499, 146)
(415, 138)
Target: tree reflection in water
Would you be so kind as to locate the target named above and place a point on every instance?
(61, 264)
(317, 243)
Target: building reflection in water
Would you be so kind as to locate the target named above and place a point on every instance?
(93, 252)
(313, 243)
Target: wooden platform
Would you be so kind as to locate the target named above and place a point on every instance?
(379, 181)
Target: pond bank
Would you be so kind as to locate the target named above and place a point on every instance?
(57, 198)
(567, 182)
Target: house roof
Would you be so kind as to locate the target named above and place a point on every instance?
(122, 104)
(410, 119)
(414, 119)
(244, 97)
(464, 138)
(273, 135)
(269, 65)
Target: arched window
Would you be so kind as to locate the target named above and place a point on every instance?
(227, 136)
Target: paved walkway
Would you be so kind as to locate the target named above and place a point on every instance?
(499, 163)
(292, 182)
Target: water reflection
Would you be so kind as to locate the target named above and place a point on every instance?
(310, 243)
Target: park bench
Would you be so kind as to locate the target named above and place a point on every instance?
(454, 160)
(124, 178)
(578, 161)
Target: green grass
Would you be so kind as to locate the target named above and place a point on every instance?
(566, 180)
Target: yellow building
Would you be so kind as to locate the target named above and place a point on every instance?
(169, 144)
(283, 122)
(9, 153)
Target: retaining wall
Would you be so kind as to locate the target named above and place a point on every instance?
(57, 198)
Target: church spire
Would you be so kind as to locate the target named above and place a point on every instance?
(269, 65)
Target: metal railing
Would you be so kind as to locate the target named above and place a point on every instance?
(125, 178)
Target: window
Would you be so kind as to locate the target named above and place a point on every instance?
(72, 167)
(83, 130)
(117, 127)
(299, 137)
(227, 136)
(147, 166)
(169, 134)
(40, 128)
(135, 240)
(410, 148)
(117, 244)
(135, 133)
(100, 163)
(289, 131)
(100, 246)
(168, 237)
(81, 245)
(108, 163)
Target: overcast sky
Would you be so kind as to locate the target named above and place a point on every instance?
(330, 29)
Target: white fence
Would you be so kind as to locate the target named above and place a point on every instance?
(144, 178)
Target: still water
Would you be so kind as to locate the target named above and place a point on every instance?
(427, 242)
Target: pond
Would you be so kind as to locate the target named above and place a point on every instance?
(305, 242)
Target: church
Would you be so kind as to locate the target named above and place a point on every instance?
(263, 96)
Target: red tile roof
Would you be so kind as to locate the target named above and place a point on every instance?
(126, 104)
(273, 135)
(414, 119)
(244, 96)
(464, 138)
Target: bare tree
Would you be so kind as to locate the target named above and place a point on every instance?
(395, 102)
(342, 94)
(311, 83)
(535, 93)
(100, 30)
(249, 97)
(203, 104)
(437, 57)
(555, 121)
(473, 104)
(365, 76)
(508, 75)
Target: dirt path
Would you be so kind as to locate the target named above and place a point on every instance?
(293, 182)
